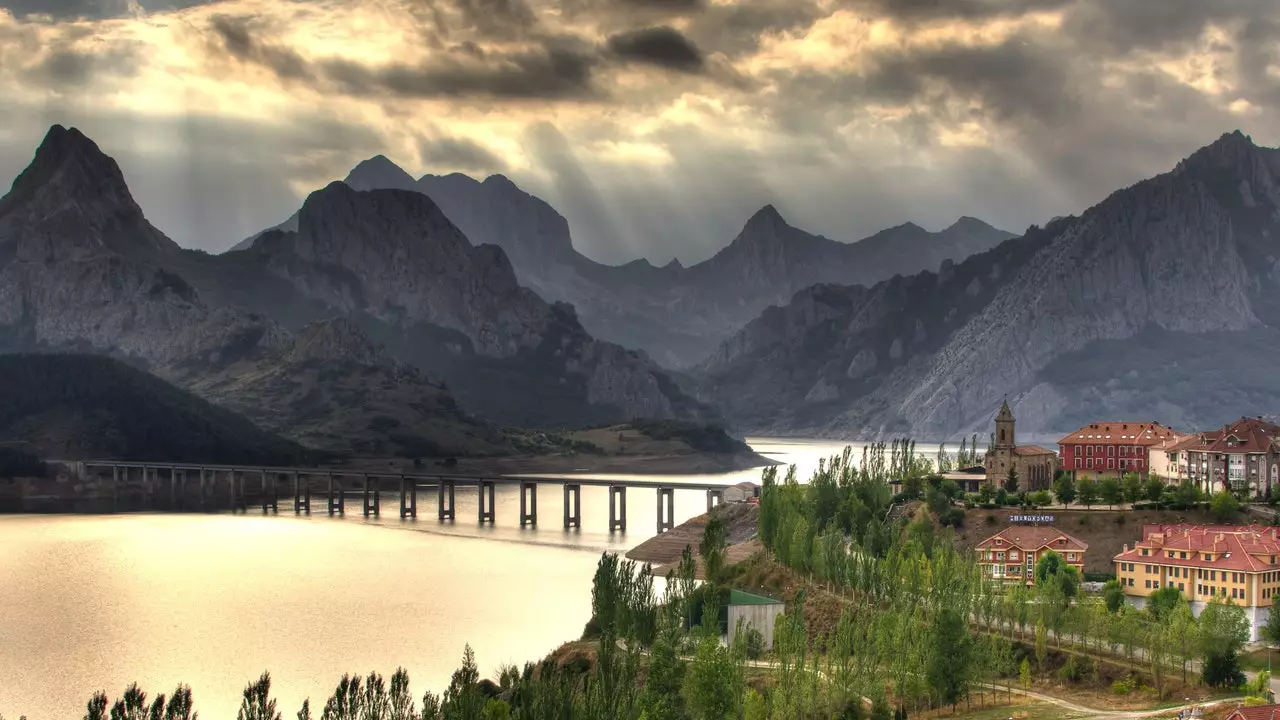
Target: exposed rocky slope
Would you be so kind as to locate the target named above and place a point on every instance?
(81, 268)
(675, 314)
(392, 261)
(1137, 308)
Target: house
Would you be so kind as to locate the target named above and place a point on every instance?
(1235, 562)
(969, 479)
(1244, 455)
(741, 492)
(1257, 712)
(1112, 448)
(755, 610)
(1034, 465)
(1168, 459)
(1011, 554)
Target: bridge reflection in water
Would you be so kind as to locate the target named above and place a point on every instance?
(199, 487)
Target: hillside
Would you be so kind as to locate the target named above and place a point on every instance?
(88, 406)
(1080, 319)
(675, 314)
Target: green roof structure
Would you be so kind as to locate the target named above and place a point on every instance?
(741, 597)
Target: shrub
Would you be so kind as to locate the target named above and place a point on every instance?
(991, 520)
(1124, 687)
(1084, 519)
(754, 644)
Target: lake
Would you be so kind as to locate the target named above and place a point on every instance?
(92, 603)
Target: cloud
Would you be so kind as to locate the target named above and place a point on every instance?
(661, 46)
(459, 154)
(92, 9)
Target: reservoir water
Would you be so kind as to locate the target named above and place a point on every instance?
(92, 603)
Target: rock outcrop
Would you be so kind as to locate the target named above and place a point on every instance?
(675, 314)
(1107, 314)
(82, 269)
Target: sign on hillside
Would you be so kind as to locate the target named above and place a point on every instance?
(1031, 519)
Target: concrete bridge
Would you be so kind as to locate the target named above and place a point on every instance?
(171, 486)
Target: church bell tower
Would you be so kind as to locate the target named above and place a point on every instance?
(1004, 428)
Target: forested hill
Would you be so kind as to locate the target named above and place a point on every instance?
(87, 406)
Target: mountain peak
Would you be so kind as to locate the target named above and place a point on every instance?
(74, 164)
(768, 216)
(967, 223)
(379, 173)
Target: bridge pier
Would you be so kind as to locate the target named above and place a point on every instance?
(242, 501)
(372, 498)
(408, 498)
(666, 509)
(337, 502)
(618, 508)
(270, 498)
(173, 488)
(714, 497)
(445, 509)
(301, 493)
(486, 512)
(572, 512)
(115, 488)
(528, 503)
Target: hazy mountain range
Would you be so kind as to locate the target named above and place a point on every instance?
(1160, 303)
(677, 315)
(393, 315)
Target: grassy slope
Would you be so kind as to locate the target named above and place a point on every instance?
(81, 406)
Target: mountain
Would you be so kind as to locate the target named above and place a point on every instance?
(392, 262)
(674, 314)
(1161, 302)
(70, 406)
(82, 269)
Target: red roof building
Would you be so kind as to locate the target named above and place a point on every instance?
(1011, 554)
(1244, 455)
(1257, 712)
(1112, 448)
(1231, 562)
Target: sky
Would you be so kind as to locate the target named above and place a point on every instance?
(657, 127)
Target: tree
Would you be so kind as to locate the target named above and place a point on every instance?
(1064, 488)
(1024, 674)
(949, 661)
(1185, 635)
(1053, 568)
(1224, 629)
(1270, 631)
(1011, 481)
(258, 703)
(1131, 487)
(1110, 491)
(712, 546)
(1224, 506)
(1162, 602)
(1153, 488)
(1087, 490)
(1113, 595)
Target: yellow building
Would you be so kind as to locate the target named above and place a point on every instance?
(1234, 562)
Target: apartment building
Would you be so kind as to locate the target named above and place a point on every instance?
(1112, 448)
(1011, 554)
(1234, 562)
(1244, 455)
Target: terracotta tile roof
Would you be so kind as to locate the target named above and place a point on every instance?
(1119, 433)
(1232, 547)
(1257, 712)
(1034, 537)
(1176, 440)
(1246, 435)
(1031, 450)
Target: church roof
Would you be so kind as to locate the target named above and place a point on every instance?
(1032, 451)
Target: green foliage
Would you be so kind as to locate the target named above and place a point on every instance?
(1162, 602)
(702, 437)
(1110, 491)
(1087, 491)
(121, 412)
(1125, 686)
(1011, 481)
(1041, 498)
(948, 666)
(1024, 674)
(1064, 488)
(1223, 670)
(712, 547)
(1113, 595)
(712, 682)
(1153, 488)
(258, 703)
(1270, 630)
(1224, 506)
(1131, 487)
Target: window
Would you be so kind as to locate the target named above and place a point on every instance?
(1071, 557)
(1013, 555)
(1183, 556)
(1182, 587)
(1170, 553)
(1111, 464)
(1148, 584)
(1144, 551)
(1111, 452)
(1078, 463)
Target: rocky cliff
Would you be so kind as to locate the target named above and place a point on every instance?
(81, 268)
(1138, 289)
(676, 315)
(394, 263)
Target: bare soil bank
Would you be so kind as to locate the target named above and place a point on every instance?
(664, 551)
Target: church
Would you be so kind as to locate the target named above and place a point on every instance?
(1035, 465)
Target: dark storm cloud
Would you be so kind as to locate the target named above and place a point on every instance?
(675, 6)
(1153, 24)
(552, 68)
(91, 9)
(925, 10)
(737, 29)
(661, 46)
(459, 154)
(63, 66)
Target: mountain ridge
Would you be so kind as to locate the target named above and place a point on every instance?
(1186, 254)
